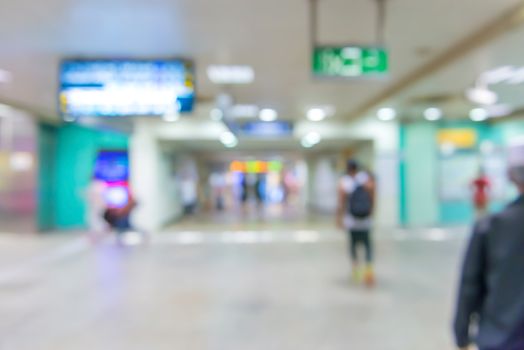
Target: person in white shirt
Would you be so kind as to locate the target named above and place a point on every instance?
(355, 209)
(189, 194)
(95, 208)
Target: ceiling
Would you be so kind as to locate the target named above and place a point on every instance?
(449, 84)
(278, 146)
(269, 35)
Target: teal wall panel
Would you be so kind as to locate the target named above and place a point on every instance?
(459, 212)
(420, 170)
(77, 148)
(47, 138)
(420, 202)
(403, 215)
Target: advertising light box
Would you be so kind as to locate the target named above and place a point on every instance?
(112, 166)
(118, 88)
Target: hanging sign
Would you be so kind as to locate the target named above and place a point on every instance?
(350, 61)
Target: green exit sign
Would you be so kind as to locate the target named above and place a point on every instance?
(350, 61)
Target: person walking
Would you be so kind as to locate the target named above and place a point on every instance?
(490, 308)
(189, 193)
(481, 186)
(95, 208)
(355, 209)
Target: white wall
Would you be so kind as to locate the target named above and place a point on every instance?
(385, 139)
(324, 187)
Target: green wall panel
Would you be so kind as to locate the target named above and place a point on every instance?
(77, 148)
(420, 201)
(420, 170)
(47, 137)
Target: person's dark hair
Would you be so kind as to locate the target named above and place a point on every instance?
(352, 165)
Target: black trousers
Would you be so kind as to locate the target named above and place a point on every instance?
(360, 238)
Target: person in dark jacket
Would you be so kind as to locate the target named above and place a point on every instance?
(490, 310)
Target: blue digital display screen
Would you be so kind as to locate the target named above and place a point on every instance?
(118, 88)
(112, 166)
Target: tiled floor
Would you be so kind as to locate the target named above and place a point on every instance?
(236, 290)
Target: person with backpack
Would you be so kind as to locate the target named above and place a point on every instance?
(355, 209)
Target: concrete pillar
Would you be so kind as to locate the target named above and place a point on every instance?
(152, 181)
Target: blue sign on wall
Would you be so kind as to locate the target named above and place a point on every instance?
(267, 129)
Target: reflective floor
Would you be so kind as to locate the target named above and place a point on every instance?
(219, 288)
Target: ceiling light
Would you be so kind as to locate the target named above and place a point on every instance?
(433, 114)
(517, 77)
(5, 76)
(497, 75)
(498, 111)
(482, 96)
(244, 111)
(386, 114)
(232, 144)
(171, 117)
(216, 114)
(506, 74)
(478, 114)
(268, 115)
(306, 144)
(228, 139)
(316, 114)
(311, 139)
(5, 110)
(223, 74)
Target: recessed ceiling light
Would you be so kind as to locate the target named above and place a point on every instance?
(386, 114)
(232, 144)
(478, 114)
(228, 139)
(268, 115)
(306, 144)
(224, 74)
(433, 114)
(316, 114)
(497, 75)
(482, 96)
(311, 139)
(5, 76)
(171, 117)
(216, 114)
